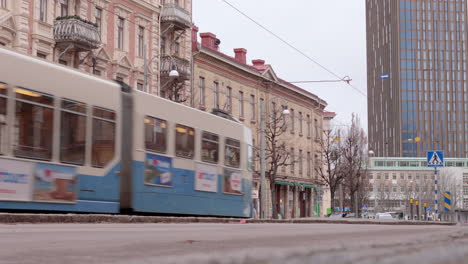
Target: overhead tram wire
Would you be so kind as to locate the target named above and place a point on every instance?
(293, 47)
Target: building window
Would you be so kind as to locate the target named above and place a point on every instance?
(177, 48)
(201, 91)
(210, 147)
(155, 134)
(232, 153)
(185, 141)
(64, 7)
(120, 33)
(252, 107)
(73, 136)
(140, 87)
(98, 18)
(292, 158)
(41, 55)
(141, 41)
(309, 164)
(292, 120)
(103, 148)
(241, 104)
(43, 10)
(317, 135)
(308, 126)
(300, 123)
(163, 45)
(34, 124)
(300, 162)
(229, 99)
(465, 190)
(216, 95)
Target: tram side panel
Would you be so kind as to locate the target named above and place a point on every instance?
(164, 182)
(75, 175)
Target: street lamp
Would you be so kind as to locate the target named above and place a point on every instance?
(262, 156)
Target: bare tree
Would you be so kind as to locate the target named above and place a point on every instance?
(328, 169)
(354, 160)
(450, 179)
(175, 91)
(276, 155)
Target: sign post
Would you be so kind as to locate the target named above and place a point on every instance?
(417, 210)
(425, 211)
(435, 159)
(411, 208)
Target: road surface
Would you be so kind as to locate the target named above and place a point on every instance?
(232, 243)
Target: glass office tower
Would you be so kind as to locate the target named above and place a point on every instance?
(416, 66)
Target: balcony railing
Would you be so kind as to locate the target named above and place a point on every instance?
(181, 65)
(83, 35)
(174, 14)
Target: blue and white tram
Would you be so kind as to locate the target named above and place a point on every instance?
(73, 142)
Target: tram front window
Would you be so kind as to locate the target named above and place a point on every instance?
(3, 101)
(33, 124)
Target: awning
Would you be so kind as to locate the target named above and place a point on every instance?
(296, 184)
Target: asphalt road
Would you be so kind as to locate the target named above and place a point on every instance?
(232, 243)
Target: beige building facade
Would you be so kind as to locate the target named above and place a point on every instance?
(114, 39)
(239, 88)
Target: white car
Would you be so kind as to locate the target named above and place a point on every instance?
(383, 216)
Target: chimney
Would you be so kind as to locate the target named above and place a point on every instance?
(208, 40)
(258, 62)
(194, 38)
(241, 55)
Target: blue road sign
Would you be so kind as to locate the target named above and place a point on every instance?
(385, 76)
(428, 209)
(435, 159)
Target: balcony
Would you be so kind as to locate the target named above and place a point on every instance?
(181, 65)
(176, 15)
(76, 32)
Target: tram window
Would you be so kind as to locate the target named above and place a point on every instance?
(34, 124)
(232, 153)
(210, 147)
(73, 132)
(185, 141)
(3, 101)
(103, 149)
(155, 134)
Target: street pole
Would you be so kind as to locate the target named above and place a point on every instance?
(411, 208)
(145, 63)
(262, 159)
(417, 210)
(436, 205)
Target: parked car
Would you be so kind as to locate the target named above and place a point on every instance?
(384, 216)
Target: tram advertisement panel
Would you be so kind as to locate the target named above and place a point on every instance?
(206, 178)
(158, 170)
(15, 180)
(53, 183)
(232, 181)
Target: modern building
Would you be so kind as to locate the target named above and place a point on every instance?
(393, 182)
(417, 83)
(238, 88)
(114, 39)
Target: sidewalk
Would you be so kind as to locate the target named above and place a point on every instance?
(15, 218)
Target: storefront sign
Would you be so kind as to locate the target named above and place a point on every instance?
(232, 181)
(206, 178)
(15, 180)
(158, 170)
(54, 183)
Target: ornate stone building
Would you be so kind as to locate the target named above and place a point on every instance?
(113, 39)
(239, 88)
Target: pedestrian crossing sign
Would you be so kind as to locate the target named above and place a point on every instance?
(435, 159)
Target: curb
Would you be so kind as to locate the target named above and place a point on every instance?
(6, 218)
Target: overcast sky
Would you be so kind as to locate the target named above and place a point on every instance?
(332, 32)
